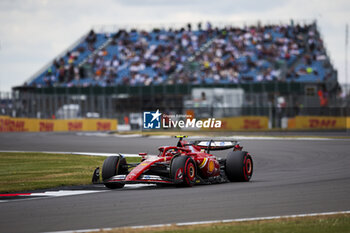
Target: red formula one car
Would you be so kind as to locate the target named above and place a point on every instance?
(185, 164)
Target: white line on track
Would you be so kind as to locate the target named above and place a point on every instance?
(284, 138)
(233, 137)
(100, 154)
(212, 222)
(63, 193)
(60, 193)
(73, 153)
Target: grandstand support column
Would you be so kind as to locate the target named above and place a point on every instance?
(263, 87)
(256, 103)
(24, 105)
(103, 100)
(53, 110)
(305, 103)
(14, 103)
(163, 95)
(55, 102)
(35, 105)
(109, 112)
(66, 101)
(39, 107)
(50, 106)
(11, 110)
(270, 114)
(290, 106)
(152, 95)
(21, 102)
(346, 59)
(43, 104)
(91, 100)
(140, 97)
(60, 100)
(129, 98)
(86, 104)
(32, 101)
(28, 102)
(80, 102)
(114, 102)
(99, 104)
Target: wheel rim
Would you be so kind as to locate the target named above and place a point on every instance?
(191, 172)
(249, 166)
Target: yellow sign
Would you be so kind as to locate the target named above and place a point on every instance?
(244, 123)
(9, 124)
(321, 122)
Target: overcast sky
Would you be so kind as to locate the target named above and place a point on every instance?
(33, 32)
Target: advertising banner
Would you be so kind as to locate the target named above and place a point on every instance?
(9, 124)
(321, 122)
(245, 123)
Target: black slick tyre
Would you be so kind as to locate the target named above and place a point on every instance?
(113, 166)
(239, 166)
(183, 171)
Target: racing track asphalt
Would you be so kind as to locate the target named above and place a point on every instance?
(290, 177)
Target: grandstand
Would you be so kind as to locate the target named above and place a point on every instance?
(220, 55)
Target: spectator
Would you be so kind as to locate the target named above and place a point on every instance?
(219, 55)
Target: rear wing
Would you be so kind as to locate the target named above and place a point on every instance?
(215, 144)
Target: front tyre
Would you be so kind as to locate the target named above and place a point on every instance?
(112, 166)
(183, 171)
(239, 166)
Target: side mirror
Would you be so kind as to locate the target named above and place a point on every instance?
(143, 155)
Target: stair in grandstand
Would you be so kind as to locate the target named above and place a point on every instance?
(96, 51)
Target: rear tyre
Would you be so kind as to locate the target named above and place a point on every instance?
(183, 171)
(239, 166)
(112, 166)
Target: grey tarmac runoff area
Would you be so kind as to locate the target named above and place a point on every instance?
(290, 177)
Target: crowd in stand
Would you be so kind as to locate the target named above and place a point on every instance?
(210, 55)
(315, 60)
(144, 58)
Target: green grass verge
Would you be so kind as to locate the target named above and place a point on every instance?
(321, 224)
(30, 171)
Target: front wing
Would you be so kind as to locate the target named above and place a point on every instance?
(150, 179)
(154, 179)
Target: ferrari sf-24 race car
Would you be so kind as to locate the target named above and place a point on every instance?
(185, 164)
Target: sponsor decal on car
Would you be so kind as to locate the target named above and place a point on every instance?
(211, 166)
(179, 174)
(205, 160)
(150, 177)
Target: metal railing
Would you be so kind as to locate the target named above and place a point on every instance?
(280, 99)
